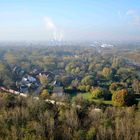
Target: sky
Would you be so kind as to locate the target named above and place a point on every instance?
(70, 20)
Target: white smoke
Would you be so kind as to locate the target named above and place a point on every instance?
(107, 46)
(55, 33)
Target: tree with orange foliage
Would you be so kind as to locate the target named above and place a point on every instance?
(123, 98)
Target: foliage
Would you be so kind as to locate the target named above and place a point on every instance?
(36, 119)
(88, 80)
(44, 94)
(107, 73)
(43, 80)
(101, 74)
(116, 86)
(97, 92)
(123, 98)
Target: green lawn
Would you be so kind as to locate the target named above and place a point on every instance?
(88, 96)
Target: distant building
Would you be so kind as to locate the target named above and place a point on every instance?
(34, 72)
(24, 88)
(28, 82)
(107, 46)
(57, 83)
(58, 90)
(29, 79)
(18, 71)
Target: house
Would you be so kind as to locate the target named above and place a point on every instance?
(21, 72)
(24, 88)
(28, 82)
(34, 72)
(28, 79)
(31, 79)
(58, 90)
(18, 71)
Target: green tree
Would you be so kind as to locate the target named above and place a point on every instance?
(6, 77)
(97, 92)
(91, 134)
(136, 86)
(107, 73)
(11, 58)
(44, 94)
(88, 80)
(116, 86)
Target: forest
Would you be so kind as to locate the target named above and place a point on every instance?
(99, 88)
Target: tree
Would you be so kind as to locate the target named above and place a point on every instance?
(75, 83)
(116, 86)
(10, 100)
(43, 80)
(80, 100)
(117, 62)
(88, 80)
(123, 98)
(107, 73)
(91, 133)
(2, 69)
(66, 80)
(11, 58)
(6, 77)
(44, 94)
(82, 88)
(97, 92)
(136, 86)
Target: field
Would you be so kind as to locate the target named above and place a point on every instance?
(88, 96)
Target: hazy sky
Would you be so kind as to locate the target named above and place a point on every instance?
(70, 20)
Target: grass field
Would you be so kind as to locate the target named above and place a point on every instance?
(88, 96)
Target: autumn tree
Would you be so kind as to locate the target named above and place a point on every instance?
(116, 86)
(107, 73)
(97, 92)
(123, 98)
(43, 80)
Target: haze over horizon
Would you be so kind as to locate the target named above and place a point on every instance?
(73, 20)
